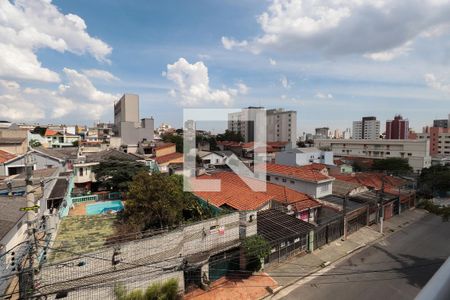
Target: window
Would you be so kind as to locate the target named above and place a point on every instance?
(81, 171)
(284, 180)
(267, 177)
(276, 178)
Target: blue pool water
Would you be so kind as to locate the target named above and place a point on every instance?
(103, 207)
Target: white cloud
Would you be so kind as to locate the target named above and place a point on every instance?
(379, 29)
(99, 74)
(242, 88)
(192, 85)
(272, 62)
(285, 82)
(321, 95)
(390, 54)
(77, 97)
(29, 25)
(437, 83)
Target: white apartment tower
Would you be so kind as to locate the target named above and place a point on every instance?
(366, 129)
(281, 125)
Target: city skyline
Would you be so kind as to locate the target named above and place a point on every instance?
(226, 54)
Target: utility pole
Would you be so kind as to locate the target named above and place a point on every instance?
(381, 208)
(345, 216)
(26, 279)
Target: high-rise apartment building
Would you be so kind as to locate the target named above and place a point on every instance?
(366, 129)
(397, 129)
(281, 125)
(443, 123)
(127, 125)
(322, 132)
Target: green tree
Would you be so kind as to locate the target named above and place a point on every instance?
(256, 249)
(392, 165)
(156, 291)
(115, 174)
(434, 181)
(158, 201)
(35, 143)
(230, 136)
(174, 138)
(75, 143)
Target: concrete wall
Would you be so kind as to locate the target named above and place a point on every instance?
(294, 157)
(162, 255)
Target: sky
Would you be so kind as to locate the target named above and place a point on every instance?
(333, 61)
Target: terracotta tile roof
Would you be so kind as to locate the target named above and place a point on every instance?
(164, 145)
(49, 132)
(373, 180)
(306, 173)
(228, 143)
(5, 156)
(169, 157)
(237, 194)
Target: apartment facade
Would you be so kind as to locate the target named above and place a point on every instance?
(397, 129)
(417, 152)
(438, 139)
(281, 125)
(127, 125)
(366, 129)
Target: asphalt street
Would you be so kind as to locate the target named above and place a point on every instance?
(394, 268)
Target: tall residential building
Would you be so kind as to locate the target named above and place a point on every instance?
(439, 140)
(281, 125)
(366, 129)
(443, 123)
(417, 152)
(397, 129)
(127, 125)
(322, 132)
(347, 134)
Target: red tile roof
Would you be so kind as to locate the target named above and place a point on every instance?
(374, 180)
(164, 145)
(312, 173)
(49, 132)
(169, 157)
(238, 195)
(5, 156)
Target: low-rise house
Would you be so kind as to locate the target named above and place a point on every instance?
(287, 235)
(82, 168)
(214, 158)
(342, 188)
(40, 160)
(304, 156)
(235, 194)
(356, 214)
(311, 179)
(56, 139)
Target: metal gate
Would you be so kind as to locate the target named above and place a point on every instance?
(328, 233)
(356, 223)
(223, 263)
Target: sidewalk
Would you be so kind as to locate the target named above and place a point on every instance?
(294, 269)
(300, 266)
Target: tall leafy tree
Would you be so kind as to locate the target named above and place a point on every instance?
(435, 180)
(392, 165)
(115, 174)
(158, 201)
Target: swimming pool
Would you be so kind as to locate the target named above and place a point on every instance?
(103, 207)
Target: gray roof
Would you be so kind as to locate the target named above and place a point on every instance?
(341, 187)
(59, 190)
(224, 153)
(10, 212)
(351, 205)
(12, 140)
(65, 153)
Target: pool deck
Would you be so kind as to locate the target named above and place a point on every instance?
(80, 209)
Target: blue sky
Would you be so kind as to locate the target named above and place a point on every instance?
(331, 61)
